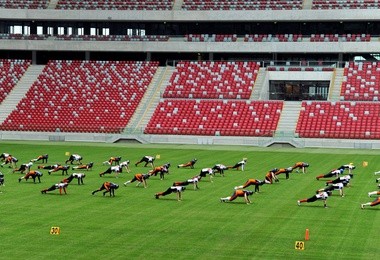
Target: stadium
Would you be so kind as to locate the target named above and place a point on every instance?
(276, 82)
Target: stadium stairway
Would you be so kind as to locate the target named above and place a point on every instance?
(150, 100)
(288, 120)
(18, 92)
(307, 4)
(334, 94)
(259, 83)
(177, 5)
(52, 4)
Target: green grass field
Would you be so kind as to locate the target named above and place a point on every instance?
(135, 225)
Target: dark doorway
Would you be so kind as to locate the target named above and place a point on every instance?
(298, 90)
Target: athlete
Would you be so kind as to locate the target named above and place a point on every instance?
(43, 158)
(108, 187)
(250, 182)
(270, 177)
(194, 180)
(147, 160)
(74, 157)
(161, 170)
(78, 176)
(300, 166)
(1, 179)
(33, 175)
(48, 167)
(286, 171)
(238, 165)
(177, 189)
(332, 173)
(11, 160)
(63, 168)
(116, 169)
(61, 186)
(25, 167)
(348, 167)
(207, 171)
(335, 186)
(320, 196)
(4, 156)
(220, 168)
(188, 164)
(373, 203)
(113, 160)
(345, 179)
(87, 166)
(238, 193)
(140, 177)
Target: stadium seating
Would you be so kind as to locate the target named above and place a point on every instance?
(6, 36)
(208, 79)
(215, 117)
(242, 5)
(349, 120)
(11, 72)
(340, 38)
(273, 38)
(82, 96)
(344, 4)
(115, 4)
(211, 37)
(112, 38)
(24, 4)
(361, 81)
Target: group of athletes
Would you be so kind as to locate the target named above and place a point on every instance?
(116, 166)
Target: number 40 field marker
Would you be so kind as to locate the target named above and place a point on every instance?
(300, 245)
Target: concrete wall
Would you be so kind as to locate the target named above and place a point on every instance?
(185, 47)
(197, 140)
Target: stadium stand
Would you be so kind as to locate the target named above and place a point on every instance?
(241, 5)
(361, 81)
(6, 36)
(82, 96)
(112, 37)
(273, 38)
(348, 120)
(11, 72)
(215, 117)
(208, 79)
(340, 38)
(115, 5)
(24, 4)
(211, 38)
(344, 4)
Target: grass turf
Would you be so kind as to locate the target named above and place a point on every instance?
(136, 225)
